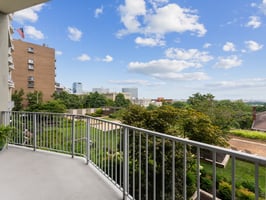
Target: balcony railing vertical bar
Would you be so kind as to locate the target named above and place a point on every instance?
(134, 165)
(233, 172)
(147, 167)
(34, 131)
(256, 175)
(154, 167)
(173, 170)
(214, 175)
(73, 135)
(142, 164)
(88, 139)
(163, 169)
(198, 173)
(185, 171)
(125, 164)
(116, 153)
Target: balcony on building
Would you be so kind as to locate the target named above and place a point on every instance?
(11, 83)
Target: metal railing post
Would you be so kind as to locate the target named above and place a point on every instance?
(73, 136)
(88, 140)
(34, 132)
(125, 164)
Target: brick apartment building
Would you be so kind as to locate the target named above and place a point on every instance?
(34, 68)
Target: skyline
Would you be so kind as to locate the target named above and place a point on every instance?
(170, 49)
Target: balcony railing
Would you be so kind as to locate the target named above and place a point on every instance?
(143, 164)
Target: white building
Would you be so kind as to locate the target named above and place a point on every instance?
(6, 61)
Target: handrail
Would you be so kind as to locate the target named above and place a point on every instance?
(132, 158)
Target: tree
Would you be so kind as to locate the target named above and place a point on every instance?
(55, 106)
(120, 101)
(34, 100)
(95, 100)
(17, 97)
(71, 101)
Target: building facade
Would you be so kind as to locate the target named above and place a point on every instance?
(34, 68)
(77, 88)
(133, 92)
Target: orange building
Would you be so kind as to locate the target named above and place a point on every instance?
(34, 68)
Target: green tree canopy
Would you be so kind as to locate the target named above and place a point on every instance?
(120, 101)
(34, 100)
(17, 97)
(95, 100)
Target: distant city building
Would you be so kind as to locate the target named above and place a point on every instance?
(101, 90)
(77, 88)
(34, 68)
(133, 92)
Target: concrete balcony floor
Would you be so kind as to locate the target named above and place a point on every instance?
(29, 175)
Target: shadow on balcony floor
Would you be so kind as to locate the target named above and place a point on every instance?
(28, 175)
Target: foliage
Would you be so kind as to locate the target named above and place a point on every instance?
(245, 194)
(225, 114)
(17, 97)
(71, 101)
(34, 100)
(4, 133)
(261, 108)
(55, 106)
(249, 134)
(225, 191)
(120, 101)
(95, 100)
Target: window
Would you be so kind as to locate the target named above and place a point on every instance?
(30, 84)
(30, 67)
(30, 78)
(30, 61)
(30, 50)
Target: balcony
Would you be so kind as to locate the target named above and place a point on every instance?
(134, 163)
(11, 84)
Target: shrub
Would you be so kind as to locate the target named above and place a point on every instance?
(245, 194)
(224, 191)
(4, 133)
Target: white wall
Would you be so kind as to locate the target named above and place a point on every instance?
(4, 97)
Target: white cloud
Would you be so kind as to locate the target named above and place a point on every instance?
(33, 33)
(129, 13)
(159, 20)
(229, 46)
(242, 83)
(254, 22)
(228, 62)
(253, 46)
(74, 33)
(183, 76)
(98, 12)
(29, 14)
(59, 53)
(159, 66)
(173, 18)
(135, 82)
(84, 57)
(167, 69)
(193, 55)
(262, 6)
(149, 41)
(207, 45)
(108, 58)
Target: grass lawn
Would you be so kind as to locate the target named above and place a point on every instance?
(244, 172)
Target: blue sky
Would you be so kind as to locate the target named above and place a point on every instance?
(165, 48)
